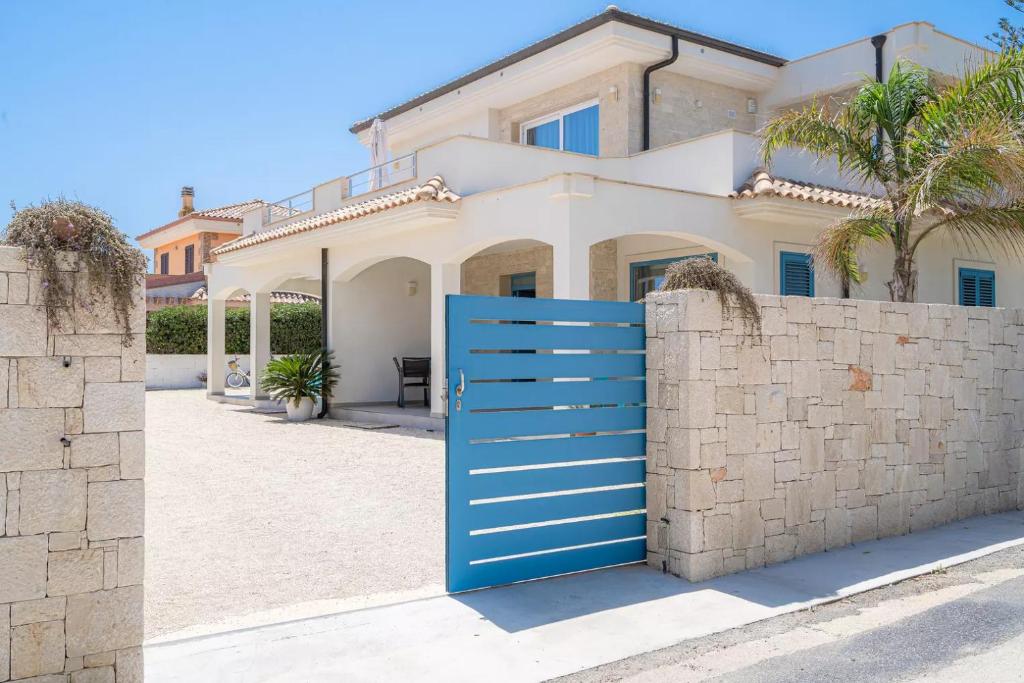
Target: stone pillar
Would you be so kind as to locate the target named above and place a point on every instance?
(259, 341)
(445, 278)
(216, 361)
(72, 461)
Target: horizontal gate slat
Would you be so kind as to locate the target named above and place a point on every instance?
(518, 541)
(544, 365)
(511, 336)
(540, 422)
(507, 308)
(491, 395)
(551, 564)
(523, 482)
(532, 510)
(542, 451)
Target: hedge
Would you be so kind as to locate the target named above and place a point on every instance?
(294, 328)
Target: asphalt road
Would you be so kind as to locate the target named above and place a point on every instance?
(961, 624)
(918, 647)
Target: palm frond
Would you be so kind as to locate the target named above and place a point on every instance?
(983, 166)
(997, 84)
(993, 228)
(840, 243)
(825, 135)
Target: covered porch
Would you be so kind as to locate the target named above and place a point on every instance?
(387, 272)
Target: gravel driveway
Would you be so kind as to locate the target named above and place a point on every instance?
(251, 519)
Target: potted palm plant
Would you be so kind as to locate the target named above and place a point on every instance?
(299, 379)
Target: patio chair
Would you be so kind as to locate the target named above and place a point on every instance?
(413, 372)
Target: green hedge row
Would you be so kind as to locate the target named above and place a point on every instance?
(294, 328)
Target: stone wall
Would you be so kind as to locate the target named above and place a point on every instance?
(843, 422)
(71, 485)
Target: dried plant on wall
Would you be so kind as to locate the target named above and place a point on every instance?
(703, 273)
(115, 267)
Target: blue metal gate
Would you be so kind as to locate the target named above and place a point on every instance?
(546, 438)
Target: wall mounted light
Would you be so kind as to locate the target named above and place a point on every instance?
(613, 92)
(411, 287)
(657, 95)
(698, 103)
(751, 105)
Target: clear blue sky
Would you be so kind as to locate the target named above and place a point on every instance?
(120, 103)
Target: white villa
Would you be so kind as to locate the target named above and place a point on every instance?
(577, 167)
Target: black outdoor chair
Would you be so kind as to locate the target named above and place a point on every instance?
(413, 372)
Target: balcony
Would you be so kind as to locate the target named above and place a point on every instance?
(713, 164)
(338, 192)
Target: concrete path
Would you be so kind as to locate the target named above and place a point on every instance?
(539, 630)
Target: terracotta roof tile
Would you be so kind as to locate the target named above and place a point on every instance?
(432, 190)
(763, 184)
(276, 297)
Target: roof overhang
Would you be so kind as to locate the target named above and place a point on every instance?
(788, 211)
(186, 226)
(609, 39)
(374, 226)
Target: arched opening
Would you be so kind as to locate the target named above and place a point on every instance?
(380, 323)
(627, 267)
(520, 268)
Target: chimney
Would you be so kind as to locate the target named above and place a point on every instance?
(187, 193)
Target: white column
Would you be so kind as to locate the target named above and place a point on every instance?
(216, 362)
(259, 341)
(445, 278)
(571, 266)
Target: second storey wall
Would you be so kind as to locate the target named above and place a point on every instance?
(685, 108)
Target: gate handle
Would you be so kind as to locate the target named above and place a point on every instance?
(462, 384)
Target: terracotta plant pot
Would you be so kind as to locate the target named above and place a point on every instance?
(301, 412)
(64, 229)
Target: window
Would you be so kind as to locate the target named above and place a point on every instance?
(796, 274)
(572, 130)
(647, 276)
(190, 258)
(977, 287)
(524, 285)
(164, 263)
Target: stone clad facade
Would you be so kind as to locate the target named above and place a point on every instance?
(72, 457)
(844, 421)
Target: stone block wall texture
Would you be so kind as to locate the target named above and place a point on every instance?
(72, 457)
(844, 421)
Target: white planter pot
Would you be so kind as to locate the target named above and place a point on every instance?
(301, 412)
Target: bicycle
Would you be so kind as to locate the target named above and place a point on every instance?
(237, 377)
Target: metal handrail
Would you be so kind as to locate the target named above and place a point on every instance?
(398, 170)
(288, 207)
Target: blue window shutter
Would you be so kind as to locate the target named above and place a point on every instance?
(977, 287)
(796, 274)
(582, 131)
(545, 135)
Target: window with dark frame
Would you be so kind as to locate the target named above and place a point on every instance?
(165, 260)
(190, 258)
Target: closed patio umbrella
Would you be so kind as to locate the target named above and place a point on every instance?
(378, 154)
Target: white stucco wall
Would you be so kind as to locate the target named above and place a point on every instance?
(374, 318)
(179, 370)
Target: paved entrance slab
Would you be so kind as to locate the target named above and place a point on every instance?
(539, 630)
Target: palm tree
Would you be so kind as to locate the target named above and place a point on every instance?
(942, 161)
